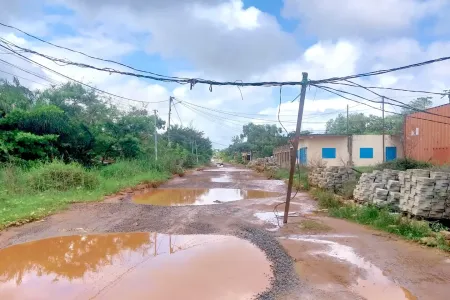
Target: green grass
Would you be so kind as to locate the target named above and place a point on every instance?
(300, 177)
(381, 219)
(28, 195)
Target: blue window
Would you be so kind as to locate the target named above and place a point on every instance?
(365, 152)
(328, 152)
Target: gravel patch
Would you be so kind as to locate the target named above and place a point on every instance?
(284, 278)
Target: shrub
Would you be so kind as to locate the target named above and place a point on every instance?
(403, 164)
(326, 199)
(60, 177)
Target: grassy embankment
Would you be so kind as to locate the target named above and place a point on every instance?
(300, 177)
(33, 193)
(383, 219)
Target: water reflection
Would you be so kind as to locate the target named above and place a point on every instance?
(173, 197)
(135, 265)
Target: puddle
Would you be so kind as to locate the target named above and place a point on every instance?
(134, 266)
(223, 178)
(225, 169)
(173, 197)
(371, 282)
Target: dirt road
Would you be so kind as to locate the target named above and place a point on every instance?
(312, 257)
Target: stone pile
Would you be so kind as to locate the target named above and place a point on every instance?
(332, 178)
(418, 192)
(263, 164)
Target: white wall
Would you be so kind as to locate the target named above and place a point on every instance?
(315, 145)
(375, 142)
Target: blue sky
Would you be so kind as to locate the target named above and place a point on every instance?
(237, 40)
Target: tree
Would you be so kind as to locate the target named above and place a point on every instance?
(363, 124)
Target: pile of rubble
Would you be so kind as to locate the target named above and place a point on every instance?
(266, 164)
(332, 178)
(417, 192)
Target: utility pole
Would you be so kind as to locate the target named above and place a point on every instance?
(168, 127)
(295, 145)
(196, 153)
(347, 119)
(156, 136)
(382, 109)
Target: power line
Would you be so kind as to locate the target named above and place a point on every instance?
(14, 75)
(379, 72)
(26, 71)
(191, 81)
(403, 105)
(79, 82)
(393, 89)
(395, 113)
(236, 115)
(174, 106)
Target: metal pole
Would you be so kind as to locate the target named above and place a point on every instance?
(156, 136)
(168, 127)
(293, 151)
(384, 149)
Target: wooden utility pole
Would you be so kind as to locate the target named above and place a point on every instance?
(382, 109)
(168, 126)
(156, 135)
(196, 153)
(347, 119)
(293, 149)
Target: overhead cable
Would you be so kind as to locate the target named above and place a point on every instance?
(77, 81)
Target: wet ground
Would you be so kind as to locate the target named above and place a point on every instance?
(135, 266)
(312, 257)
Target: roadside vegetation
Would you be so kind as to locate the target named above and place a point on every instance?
(68, 144)
(300, 182)
(382, 219)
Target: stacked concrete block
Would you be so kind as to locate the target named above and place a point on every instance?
(332, 178)
(363, 190)
(418, 192)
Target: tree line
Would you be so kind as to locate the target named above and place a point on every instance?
(71, 123)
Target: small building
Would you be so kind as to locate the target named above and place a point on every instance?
(427, 135)
(281, 155)
(341, 150)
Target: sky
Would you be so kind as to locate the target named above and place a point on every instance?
(234, 40)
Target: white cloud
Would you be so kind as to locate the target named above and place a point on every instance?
(356, 18)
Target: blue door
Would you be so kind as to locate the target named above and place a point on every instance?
(303, 156)
(391, 153)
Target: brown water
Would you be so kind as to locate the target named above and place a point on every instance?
(370, 282)
(134, 266)
(173, 197)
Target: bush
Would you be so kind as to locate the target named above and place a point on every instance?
(403, 164)
(326, 199)
(347, 189)
(60, 177)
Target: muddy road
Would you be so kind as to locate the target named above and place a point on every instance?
(189, 230)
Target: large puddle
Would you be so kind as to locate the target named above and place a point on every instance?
(370, 282)
(173, 197)
(134, 266)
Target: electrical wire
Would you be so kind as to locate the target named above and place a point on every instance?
(191, 81)
(402, 104)
(175, 107)
(27, 71)
(377, 108)
(14, 75)
(379, 72)
(77, 81)
(392, 89)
